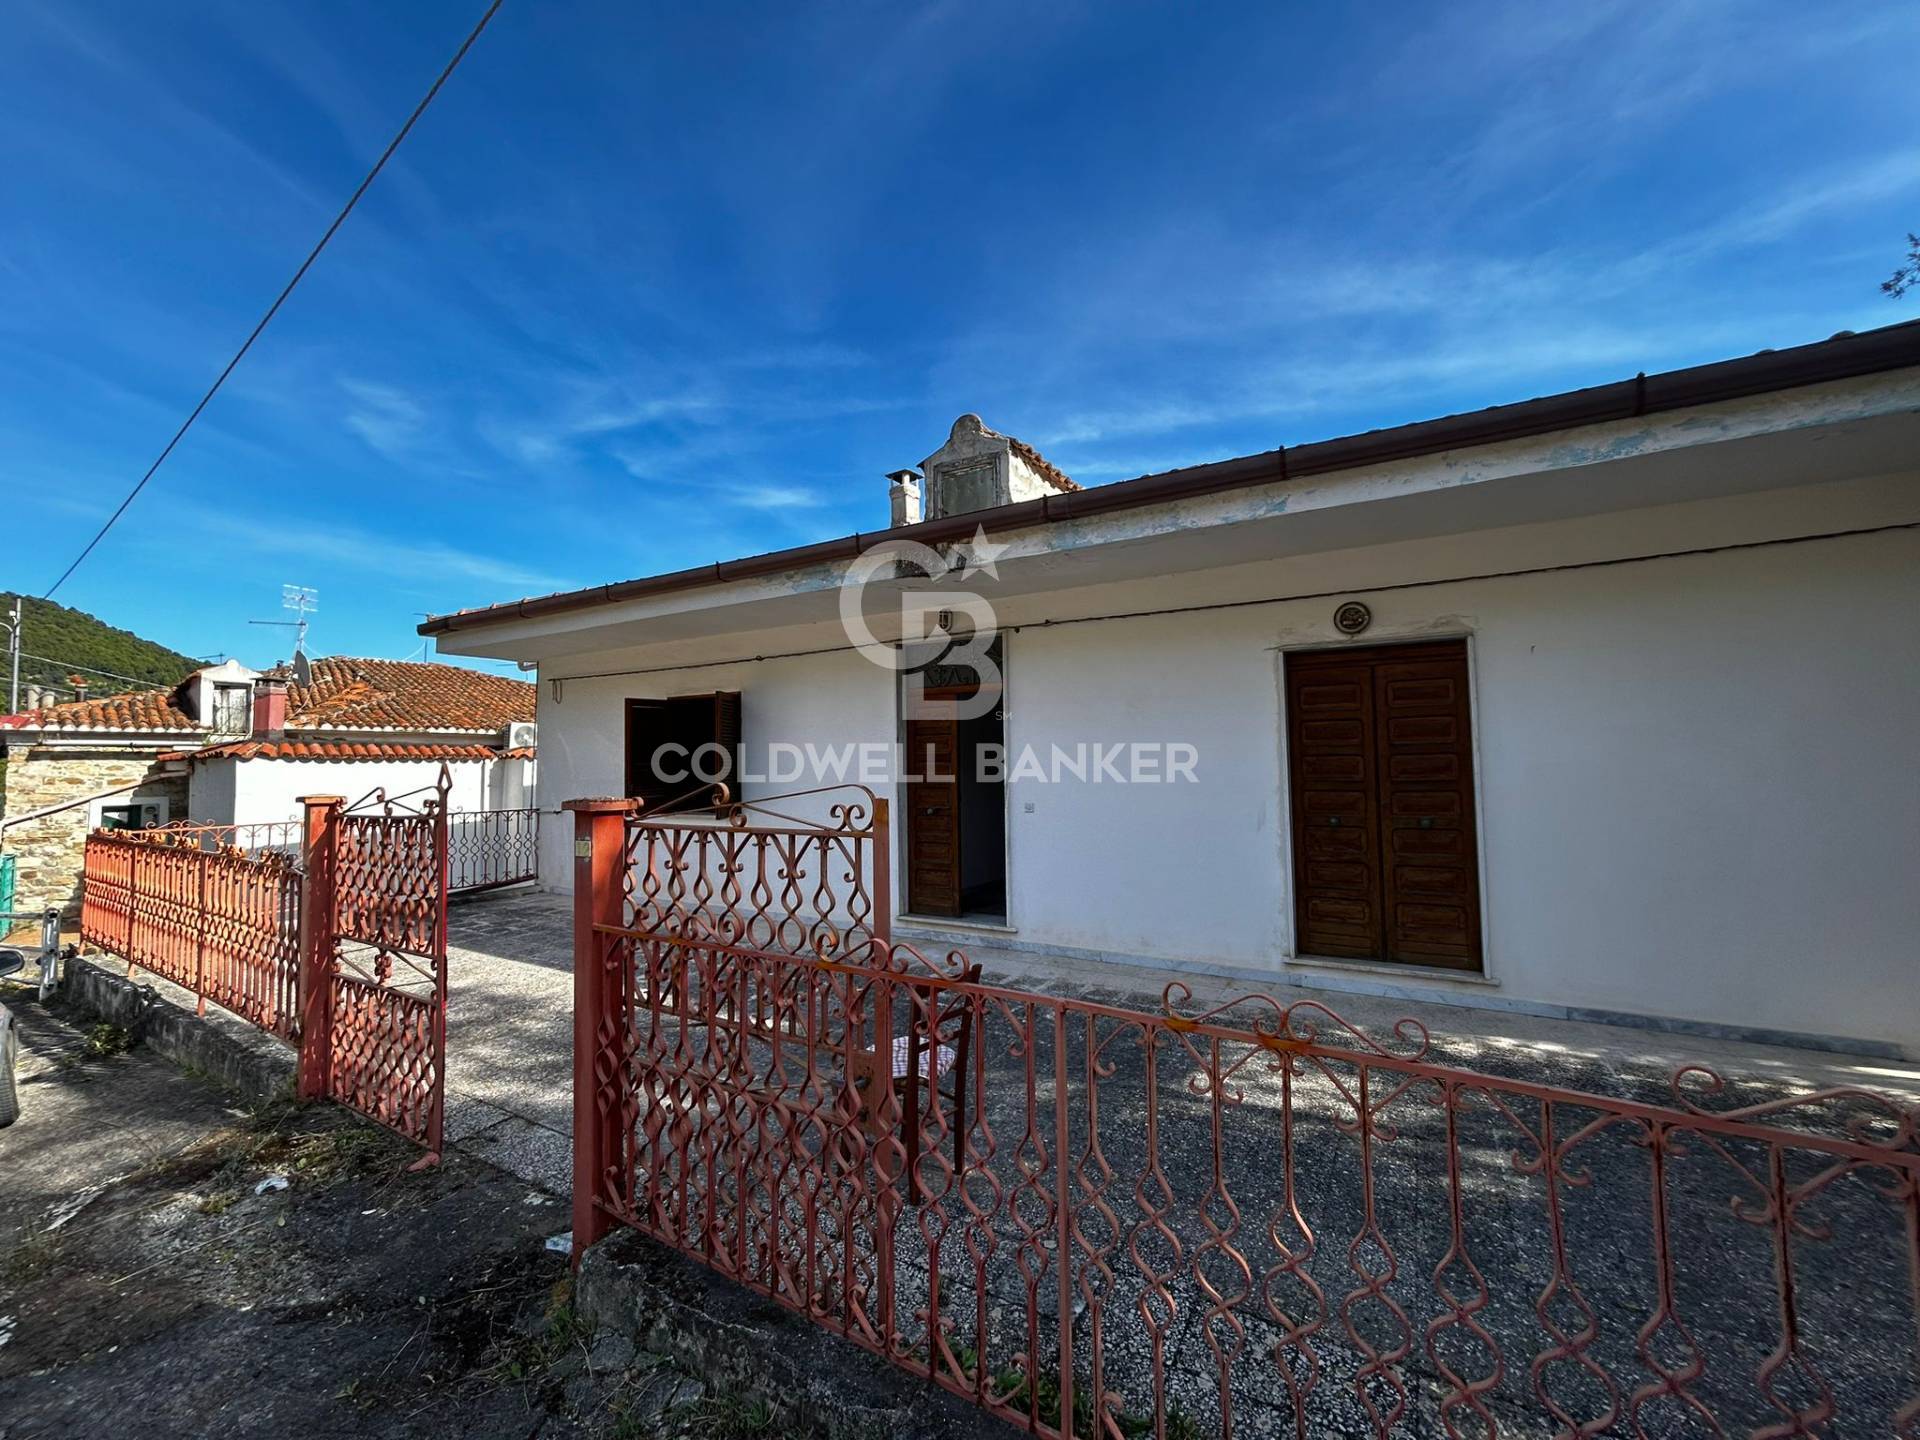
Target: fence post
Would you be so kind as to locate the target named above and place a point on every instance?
(442, 837)
(882, 873)
(317, 945)
(599, 853)
(201, 863)
(136, 861)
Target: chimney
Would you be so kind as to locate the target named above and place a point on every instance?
(905, 495)
(269, 708)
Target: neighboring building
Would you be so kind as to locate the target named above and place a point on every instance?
(234, 746)
(1601, 704)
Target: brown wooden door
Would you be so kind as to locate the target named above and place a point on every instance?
(933, 817)
(1336, 841)
(1380, 746)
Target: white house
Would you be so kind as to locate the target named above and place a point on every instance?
(234, 746)
(1602, 704)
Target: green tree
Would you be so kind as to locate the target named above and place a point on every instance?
(1908, 275)
(56, 642)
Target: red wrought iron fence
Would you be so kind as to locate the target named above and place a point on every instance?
(490, 848)
(190, 905)
(1256, 1219)
(361, 985)
(378, 970)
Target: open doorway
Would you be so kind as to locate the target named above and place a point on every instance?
(956, 823)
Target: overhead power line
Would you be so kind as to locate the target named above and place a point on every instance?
(280, 299)
(92, 669)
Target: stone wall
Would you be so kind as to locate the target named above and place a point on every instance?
(48, 853)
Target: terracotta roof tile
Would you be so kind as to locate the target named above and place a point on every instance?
(346, 694)
(343, 750)
(401, 695)
(142, 710)
(1045, 468)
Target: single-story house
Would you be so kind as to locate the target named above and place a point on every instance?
(234, 746)
(1601, 704)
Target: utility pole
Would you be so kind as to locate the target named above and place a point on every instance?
(13, 644)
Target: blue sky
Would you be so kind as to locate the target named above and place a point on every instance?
(652, 286)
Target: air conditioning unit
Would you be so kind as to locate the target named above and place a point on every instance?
(521, 736)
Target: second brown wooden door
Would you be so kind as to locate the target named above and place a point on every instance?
(933, 817)
(1380, 756)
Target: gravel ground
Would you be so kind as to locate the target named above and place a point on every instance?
(1310, 1257)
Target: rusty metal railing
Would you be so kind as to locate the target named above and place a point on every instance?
(763, 873)
(279, 837)
(1253, 1219)
(180, 903)
(487, 849)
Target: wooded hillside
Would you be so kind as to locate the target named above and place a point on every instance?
(57, 642)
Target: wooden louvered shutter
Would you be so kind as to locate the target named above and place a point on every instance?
(1380, 748)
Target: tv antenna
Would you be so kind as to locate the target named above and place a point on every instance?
(302, 600)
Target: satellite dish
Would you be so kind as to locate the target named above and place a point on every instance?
(302, 671)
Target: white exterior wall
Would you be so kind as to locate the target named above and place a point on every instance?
(210, 791)
(248, 792)
(1698, 792)
(824, 700)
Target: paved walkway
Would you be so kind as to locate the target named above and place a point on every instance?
(510, 1034)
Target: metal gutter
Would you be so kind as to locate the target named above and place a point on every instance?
(1844, 357)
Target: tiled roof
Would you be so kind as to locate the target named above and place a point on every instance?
(342, 750)
(346, 694)
(401, 695)
(142, 710)
(1045, 468)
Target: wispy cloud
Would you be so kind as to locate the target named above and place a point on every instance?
(774, 497)
(712, 471)
(591, 411)
(363, 552)
(389, 419)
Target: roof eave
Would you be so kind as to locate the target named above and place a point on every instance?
(1843, 357)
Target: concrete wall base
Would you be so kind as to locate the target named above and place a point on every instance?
(221, 1046)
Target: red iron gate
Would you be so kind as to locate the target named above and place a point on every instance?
(1254, 1219)
(376, 959)
(329, 933)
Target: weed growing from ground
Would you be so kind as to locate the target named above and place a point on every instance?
(729, 1417)
(107, 1038)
